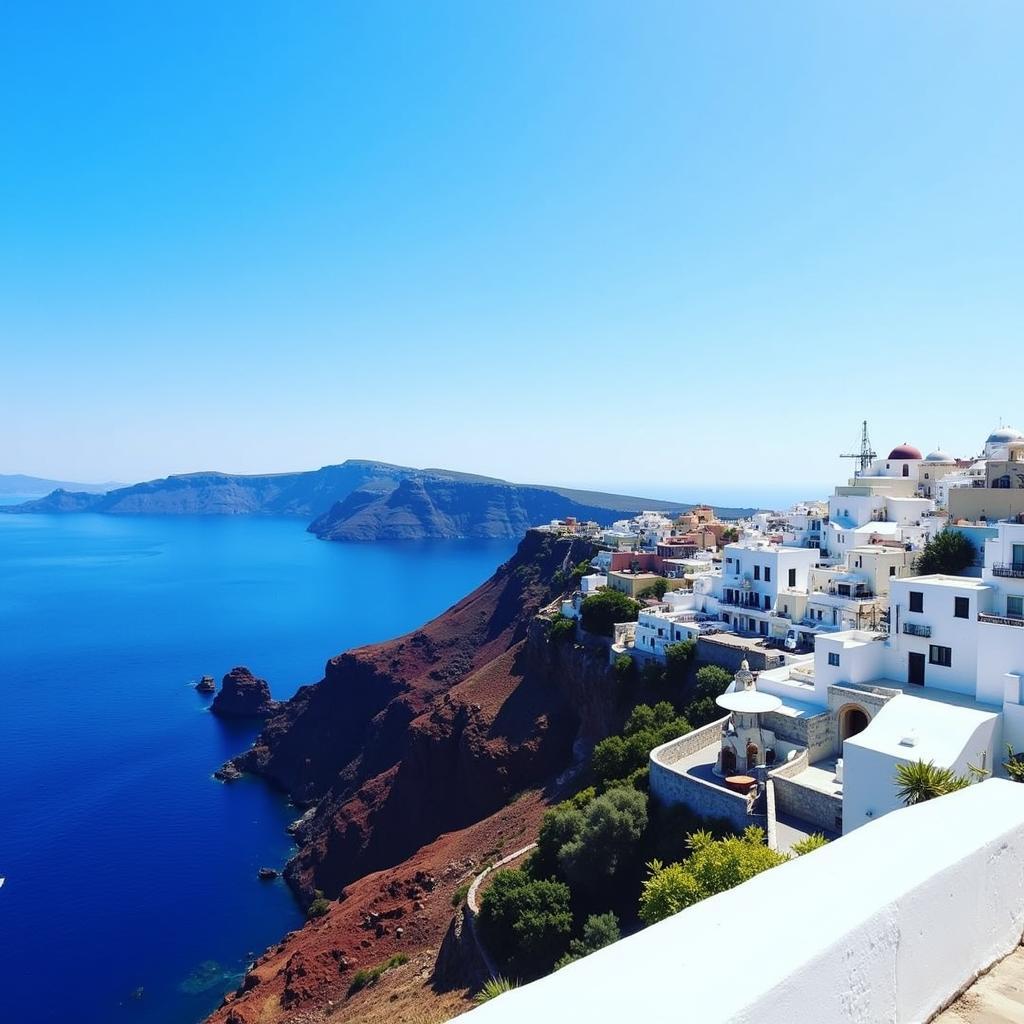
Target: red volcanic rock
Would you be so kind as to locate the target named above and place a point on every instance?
(411, 752)
(243, 695)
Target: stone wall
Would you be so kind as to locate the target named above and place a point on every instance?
(672, 787)
(698, 739)
(821, 809)
(714, 652)
(788, 769)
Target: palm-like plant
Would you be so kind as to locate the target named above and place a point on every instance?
(1014, 764)
(919, 781)
(493, 988)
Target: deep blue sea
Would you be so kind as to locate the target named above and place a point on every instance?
(131, 891)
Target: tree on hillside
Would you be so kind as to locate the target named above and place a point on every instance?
(525, 922)
(678, 658)
(612, 826)
(599, 930)
(713, 865)
(948, 552)
(647, 727)
(560, 825)
(599, 612)
(711, 682)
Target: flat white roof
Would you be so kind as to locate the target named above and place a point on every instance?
(938, 580)
(884, 526)
(940, 731)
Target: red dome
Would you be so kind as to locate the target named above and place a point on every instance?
(904, 451)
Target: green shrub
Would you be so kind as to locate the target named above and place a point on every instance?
(562, 628)
(493, 988)
(599, 930)
(560, 825)
(525, 922)
(460, 894)
(703, 712)
(624, 667)
(711, 681)
(606, 833)
(616, 757)
(713, 866)
(808, 844)
(319, 906)
(948, 552)
(599, 612)
(678, 658)
(371, 975)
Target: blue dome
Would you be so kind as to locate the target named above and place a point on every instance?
(1004, 435)
(938, 457)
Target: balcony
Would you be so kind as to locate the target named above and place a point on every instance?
(913, 629)
(752, 602)
(1015, 570)
(1001, 620)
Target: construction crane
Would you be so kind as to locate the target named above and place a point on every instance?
(867, 454)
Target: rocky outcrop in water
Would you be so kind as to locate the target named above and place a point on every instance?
(243, 695)
(410, 755)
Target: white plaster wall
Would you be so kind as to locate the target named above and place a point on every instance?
(1000, 650)
(869, 776)
(961, 635)
(859, 663)
(894, 937)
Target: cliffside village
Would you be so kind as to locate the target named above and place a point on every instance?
(848, 661)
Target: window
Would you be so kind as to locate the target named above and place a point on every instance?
(757, 572)
(767, 602)
(940, 655)
(792, 577)
(728, 560)
(916, 601)
(1015, 607)
(906, 470)
(833, 659)
(892, 570)
(962, 607)
(767, 574)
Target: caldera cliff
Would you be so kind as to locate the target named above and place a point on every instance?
(413, 757)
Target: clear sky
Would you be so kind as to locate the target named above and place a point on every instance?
(684, 247)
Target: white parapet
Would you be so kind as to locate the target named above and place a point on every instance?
(885, 924)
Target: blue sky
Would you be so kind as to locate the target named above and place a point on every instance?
(671, 246)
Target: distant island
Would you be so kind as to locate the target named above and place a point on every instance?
(360, 500)
(19, 484)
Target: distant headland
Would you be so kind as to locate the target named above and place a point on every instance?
(360, 500)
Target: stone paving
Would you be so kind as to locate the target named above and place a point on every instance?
(995, 998)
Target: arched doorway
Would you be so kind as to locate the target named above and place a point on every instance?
(852, 720)
(751, 756)
(728, 761)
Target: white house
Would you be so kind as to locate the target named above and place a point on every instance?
(943, 682)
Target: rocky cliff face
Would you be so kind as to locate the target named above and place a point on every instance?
(439, 507)
(361, 501)
(243, 695)
(403, 740)
(409, 754)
